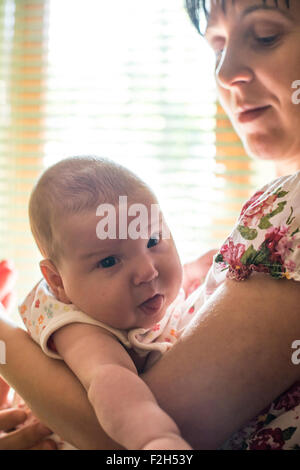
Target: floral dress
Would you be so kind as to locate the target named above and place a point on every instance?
(266, 238)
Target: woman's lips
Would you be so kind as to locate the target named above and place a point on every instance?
(153, 304)
(251, 114)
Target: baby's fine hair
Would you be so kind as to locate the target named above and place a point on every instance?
(72, 186)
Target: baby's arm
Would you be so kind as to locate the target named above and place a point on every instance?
(124, 405)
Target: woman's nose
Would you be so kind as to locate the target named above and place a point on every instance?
(144, 270)
(233, 69)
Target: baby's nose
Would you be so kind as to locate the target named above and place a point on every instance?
(144, 271)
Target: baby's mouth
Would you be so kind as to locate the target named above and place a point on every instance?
(153, 304)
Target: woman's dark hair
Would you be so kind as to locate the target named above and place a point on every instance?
(198, 10)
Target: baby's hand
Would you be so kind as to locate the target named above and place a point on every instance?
(194, 272)
(167, 442)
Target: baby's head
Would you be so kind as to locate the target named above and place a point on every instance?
(126, 280)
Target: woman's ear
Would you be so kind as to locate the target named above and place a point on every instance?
(54, 280)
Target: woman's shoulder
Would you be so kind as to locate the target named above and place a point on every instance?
(266, 237)
(288, 182)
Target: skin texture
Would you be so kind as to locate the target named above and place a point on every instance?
(30, 436)
(251, 48)
(236, 358)
(135, 269)
(110, 287)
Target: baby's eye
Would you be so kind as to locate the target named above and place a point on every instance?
(154, 240)
(107, 262)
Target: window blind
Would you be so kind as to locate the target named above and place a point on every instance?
(130, 80)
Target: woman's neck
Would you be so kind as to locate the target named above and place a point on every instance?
(286, 167)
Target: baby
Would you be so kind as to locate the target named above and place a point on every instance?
(111, 300)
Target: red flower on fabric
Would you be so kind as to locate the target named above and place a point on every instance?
(232, 253)
(267, 439)
(252, 213)
(277, 242)
(251, 201)
(289, 399)
(156, 327)
(37, 303)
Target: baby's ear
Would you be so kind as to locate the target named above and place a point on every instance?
(54, 280)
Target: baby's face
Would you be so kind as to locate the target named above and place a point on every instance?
(125, 283)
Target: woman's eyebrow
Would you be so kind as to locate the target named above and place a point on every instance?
(212, 22)
(253, 8)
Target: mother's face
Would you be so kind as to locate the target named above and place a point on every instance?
(257, 59)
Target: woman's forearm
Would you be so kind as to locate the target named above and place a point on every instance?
(233, 361)
(51, 390)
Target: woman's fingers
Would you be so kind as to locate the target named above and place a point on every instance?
(47, 444)
(28, 437)
(11, 418)
(7, 279)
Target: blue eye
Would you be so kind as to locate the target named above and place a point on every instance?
(154, 240)
(107, 262)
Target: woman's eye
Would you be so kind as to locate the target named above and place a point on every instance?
(154, 240)
(266, 40)
(107, 262)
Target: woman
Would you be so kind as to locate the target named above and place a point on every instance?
(236, 358)
(30, 436)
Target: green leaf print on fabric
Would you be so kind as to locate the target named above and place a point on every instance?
(280, 193)
(288, 432)
(249, 255)
(269, 419)
(219, 258)
(265, 222)
(262, 255)
(247, 233)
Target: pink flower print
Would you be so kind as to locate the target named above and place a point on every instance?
(290, 266)
(277, 242)
(251, 201)
(37, 303)
(168, 340)
(232, 253)
(252, 212)
(192, 309)
(268, 439)
(156, 327)
(289, 399)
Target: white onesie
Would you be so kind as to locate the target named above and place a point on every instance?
(43, 314)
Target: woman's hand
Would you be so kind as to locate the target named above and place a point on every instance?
(194, 273)
(28, 437)
(7, 281)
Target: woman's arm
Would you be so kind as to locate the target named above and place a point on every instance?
(232, 362)
(51, 390)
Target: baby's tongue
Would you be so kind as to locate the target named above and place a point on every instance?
(153, 304)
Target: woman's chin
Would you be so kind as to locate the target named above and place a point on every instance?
(262, 147)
